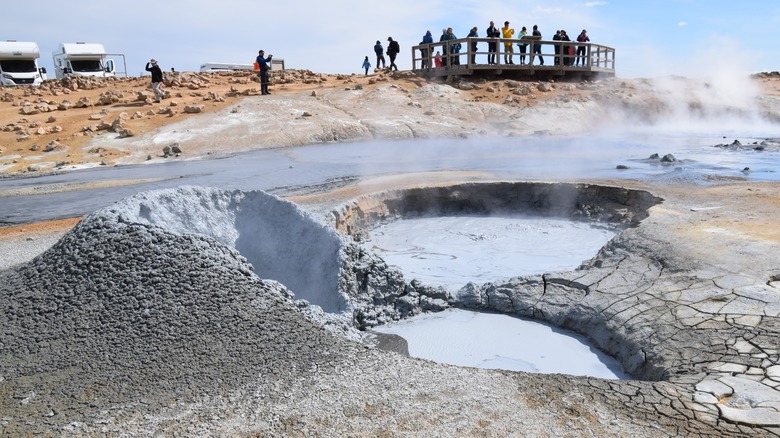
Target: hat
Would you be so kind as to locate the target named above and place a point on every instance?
(153, 61)
(389, 38)
(378, 42)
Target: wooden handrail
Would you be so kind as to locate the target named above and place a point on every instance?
(597, 57)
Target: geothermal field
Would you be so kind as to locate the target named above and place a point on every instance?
(430, 265)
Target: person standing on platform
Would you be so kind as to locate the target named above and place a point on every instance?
(427, 39)
(537, 48)
(507, 32)
(492, 32)
(582, 50)
(473, 34)
(522, 46)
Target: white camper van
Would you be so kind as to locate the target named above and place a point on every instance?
(19, 64)
(82, 59)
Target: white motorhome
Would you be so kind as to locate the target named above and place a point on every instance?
(223, 66)
(276, 64)
(19, 64)
(82, 59)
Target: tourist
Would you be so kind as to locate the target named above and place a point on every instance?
(392, 52)
(437, 59)
(568, 50)
(157, 80)
(521, 46)
(492, 32)
(507, 32)
(366, 65)
(265, 66)
(557, 37)
(537, 48)
(380, 54)
(473, 34)
(443, 38)
(582, 49)
(454, 49)
(424, 52)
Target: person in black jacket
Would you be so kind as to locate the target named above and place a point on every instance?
(157, 80)
(492, 32)
(392, 51)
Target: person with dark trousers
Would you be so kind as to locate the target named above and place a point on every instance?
(557, 46)
(522, 46)
(380, 54)
(473, 34)
(157, 80)
(424, 53)
(582, 50)
(492, 32)
(537, 50)
(366, 65)
(265, 67)
(392, 52)
(568, 50)
(445, 49)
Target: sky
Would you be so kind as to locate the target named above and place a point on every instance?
(651, 38)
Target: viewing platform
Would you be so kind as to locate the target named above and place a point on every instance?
(596, 61)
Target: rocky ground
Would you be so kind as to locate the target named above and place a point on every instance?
(96, 345)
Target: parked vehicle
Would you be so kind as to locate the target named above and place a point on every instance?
(82, 59)
(276, 64)
(223, 66)
(19, 64)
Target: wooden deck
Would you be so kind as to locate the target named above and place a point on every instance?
(598, 60)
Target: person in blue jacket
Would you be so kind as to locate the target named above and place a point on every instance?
(380, 54)
(427, 39)
(265, 66)
(473, 34)
(366, 65)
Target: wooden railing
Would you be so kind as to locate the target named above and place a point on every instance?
(549, 56)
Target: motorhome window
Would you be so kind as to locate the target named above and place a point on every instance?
(85, 66)
(18, 66)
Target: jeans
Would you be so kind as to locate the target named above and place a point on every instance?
(158, 91)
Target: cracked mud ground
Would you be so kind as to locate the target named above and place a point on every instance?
(686, 301)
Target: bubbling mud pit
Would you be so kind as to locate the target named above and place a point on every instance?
(172, 311)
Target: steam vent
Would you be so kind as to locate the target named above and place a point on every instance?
(198, 311)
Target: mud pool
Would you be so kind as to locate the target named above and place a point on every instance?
(487, 340)
(452, 251)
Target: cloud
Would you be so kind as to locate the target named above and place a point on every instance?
(682, 24)
(594, 4)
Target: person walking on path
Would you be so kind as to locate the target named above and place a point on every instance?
(507, 32)
(537, 48)
(492, 32)
(380, 54)
(582, 49)
(473, 34)
(265, 66)
(392, 52)
(366, 65)
(157, 80)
